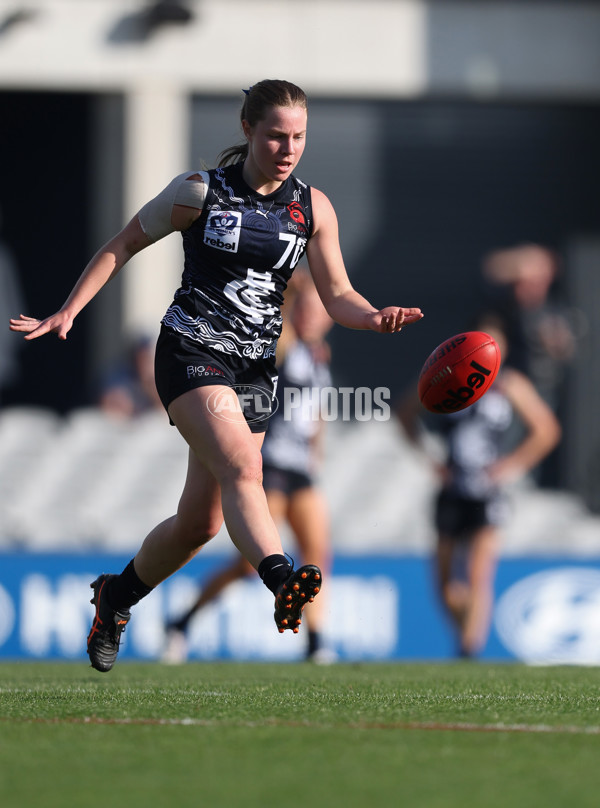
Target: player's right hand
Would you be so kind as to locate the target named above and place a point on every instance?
(59, 323)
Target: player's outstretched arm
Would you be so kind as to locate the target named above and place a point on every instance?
(102, 268)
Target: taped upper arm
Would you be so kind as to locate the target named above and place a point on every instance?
(187, 189)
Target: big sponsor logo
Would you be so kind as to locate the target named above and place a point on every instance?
(222, 230)
(197, 371)
(552, 617)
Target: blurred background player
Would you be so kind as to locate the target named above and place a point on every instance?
(522, 286)
(471, 503)
(541, 336)
(292, 452)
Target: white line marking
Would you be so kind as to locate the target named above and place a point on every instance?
(559, 729)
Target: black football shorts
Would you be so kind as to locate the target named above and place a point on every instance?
(181, 365)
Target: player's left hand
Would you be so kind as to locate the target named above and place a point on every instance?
(393, 318)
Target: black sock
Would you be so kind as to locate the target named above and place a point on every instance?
(314, 642)
(126, 589)
(181, 624)
(274, 570)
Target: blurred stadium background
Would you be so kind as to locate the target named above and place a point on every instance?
(440, 130)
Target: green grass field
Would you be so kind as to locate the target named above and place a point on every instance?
(249, 735)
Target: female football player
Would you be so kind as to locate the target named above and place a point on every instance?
(245, 226)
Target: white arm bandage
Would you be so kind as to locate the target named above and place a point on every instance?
(187, 189)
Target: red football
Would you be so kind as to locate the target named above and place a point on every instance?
(459, 372)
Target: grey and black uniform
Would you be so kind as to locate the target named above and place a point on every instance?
(476, 438)
(289, 448)
(223, 324)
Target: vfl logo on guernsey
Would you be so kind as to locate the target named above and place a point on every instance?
(222, 230)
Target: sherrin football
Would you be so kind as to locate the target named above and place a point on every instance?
(458, 372)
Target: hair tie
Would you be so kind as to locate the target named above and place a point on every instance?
(247, 92)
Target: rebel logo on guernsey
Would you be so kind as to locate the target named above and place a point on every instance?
(457, 398)
(222, 230)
